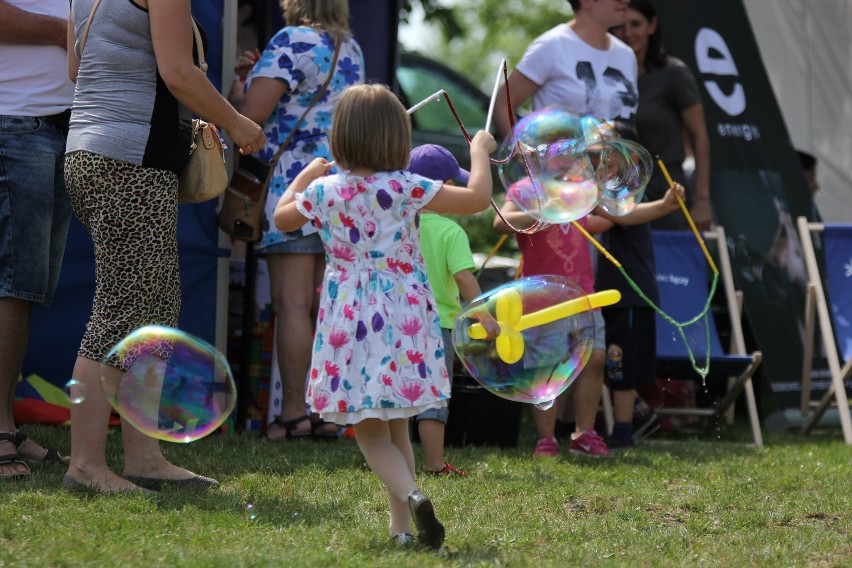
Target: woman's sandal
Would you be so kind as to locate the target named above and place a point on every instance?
(12, 459)
(327, 435)
(289, 426)
(50, 455)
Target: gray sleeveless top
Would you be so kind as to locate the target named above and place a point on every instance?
(122, 108)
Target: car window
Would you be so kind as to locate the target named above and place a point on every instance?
(420, 79)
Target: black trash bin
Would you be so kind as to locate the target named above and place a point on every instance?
(479, 418)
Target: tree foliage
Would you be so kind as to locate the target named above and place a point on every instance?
(474, 35)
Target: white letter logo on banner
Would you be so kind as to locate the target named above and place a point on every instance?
(707, 39)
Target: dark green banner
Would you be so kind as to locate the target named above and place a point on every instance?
(757, 187)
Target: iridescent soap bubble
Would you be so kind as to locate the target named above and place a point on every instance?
(169, 384)
(623, 168)
(563, 165)
(541, 348)
(554, 183)
(76, 391)
(548, 125)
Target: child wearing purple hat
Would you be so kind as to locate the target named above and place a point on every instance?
(449, 264)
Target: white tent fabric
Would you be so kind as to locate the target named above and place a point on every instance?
(807, 51)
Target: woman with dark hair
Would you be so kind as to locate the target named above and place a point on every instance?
(669, 106)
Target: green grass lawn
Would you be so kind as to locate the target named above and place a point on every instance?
(673, 501)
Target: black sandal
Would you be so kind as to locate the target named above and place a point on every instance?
(12, 459)
(324, 436)
(50, 454)
(289, 426)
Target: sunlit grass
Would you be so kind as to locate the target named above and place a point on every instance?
(704, 500)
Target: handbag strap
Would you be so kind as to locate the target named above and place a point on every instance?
(295, 128)
(199, 52)
(85, 35)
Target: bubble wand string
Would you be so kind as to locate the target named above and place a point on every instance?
(688, 217)
(678, 325)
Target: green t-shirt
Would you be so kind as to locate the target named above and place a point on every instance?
(446, 252)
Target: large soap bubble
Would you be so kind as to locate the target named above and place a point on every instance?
(557, 166)
(552, 175)
(168, 384)
(562, 187)
(623, 170)
(546, 338)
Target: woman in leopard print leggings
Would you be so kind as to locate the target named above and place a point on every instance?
(123, 157)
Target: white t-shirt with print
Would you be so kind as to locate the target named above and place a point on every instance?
(585, 80)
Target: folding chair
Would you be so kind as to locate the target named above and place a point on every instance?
(682, 276)
(836, 342)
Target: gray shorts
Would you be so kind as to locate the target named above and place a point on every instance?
(442, 414)
(310, 244)
(600, 330)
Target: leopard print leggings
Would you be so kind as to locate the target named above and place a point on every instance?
(131, 214)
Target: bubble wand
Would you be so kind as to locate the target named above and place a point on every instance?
(433, 97)
(500, 73)
(688, 217)
(539, 224)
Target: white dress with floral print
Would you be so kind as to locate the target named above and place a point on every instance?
(378, 351)
(301, 56)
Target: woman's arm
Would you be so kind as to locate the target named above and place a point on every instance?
(73, 62)
(696, 128)
(171, 34)
(28, 28)
(261, 98)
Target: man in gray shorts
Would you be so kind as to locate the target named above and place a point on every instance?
(35, 95)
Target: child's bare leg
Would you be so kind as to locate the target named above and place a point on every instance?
(432, 439)
(400, 512)
(587, 393)
(387, 449)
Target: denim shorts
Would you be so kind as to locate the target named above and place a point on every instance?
(310, 244)
(34, 208)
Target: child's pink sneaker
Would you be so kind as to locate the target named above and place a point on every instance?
(546, 447)
(588, 443)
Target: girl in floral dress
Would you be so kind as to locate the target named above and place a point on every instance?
(378, 355)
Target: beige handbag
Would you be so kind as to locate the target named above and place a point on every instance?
(204, 177)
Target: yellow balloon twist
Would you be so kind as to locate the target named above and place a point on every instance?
(509, 313)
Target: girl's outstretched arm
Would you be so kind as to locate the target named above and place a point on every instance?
(477, 195)
(646, 212)
(287, 217)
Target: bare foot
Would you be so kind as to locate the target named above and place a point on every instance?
(97, 481)
(164, 470)
(31, 451)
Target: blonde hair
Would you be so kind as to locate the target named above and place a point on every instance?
(371, 129)
(331, 16)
